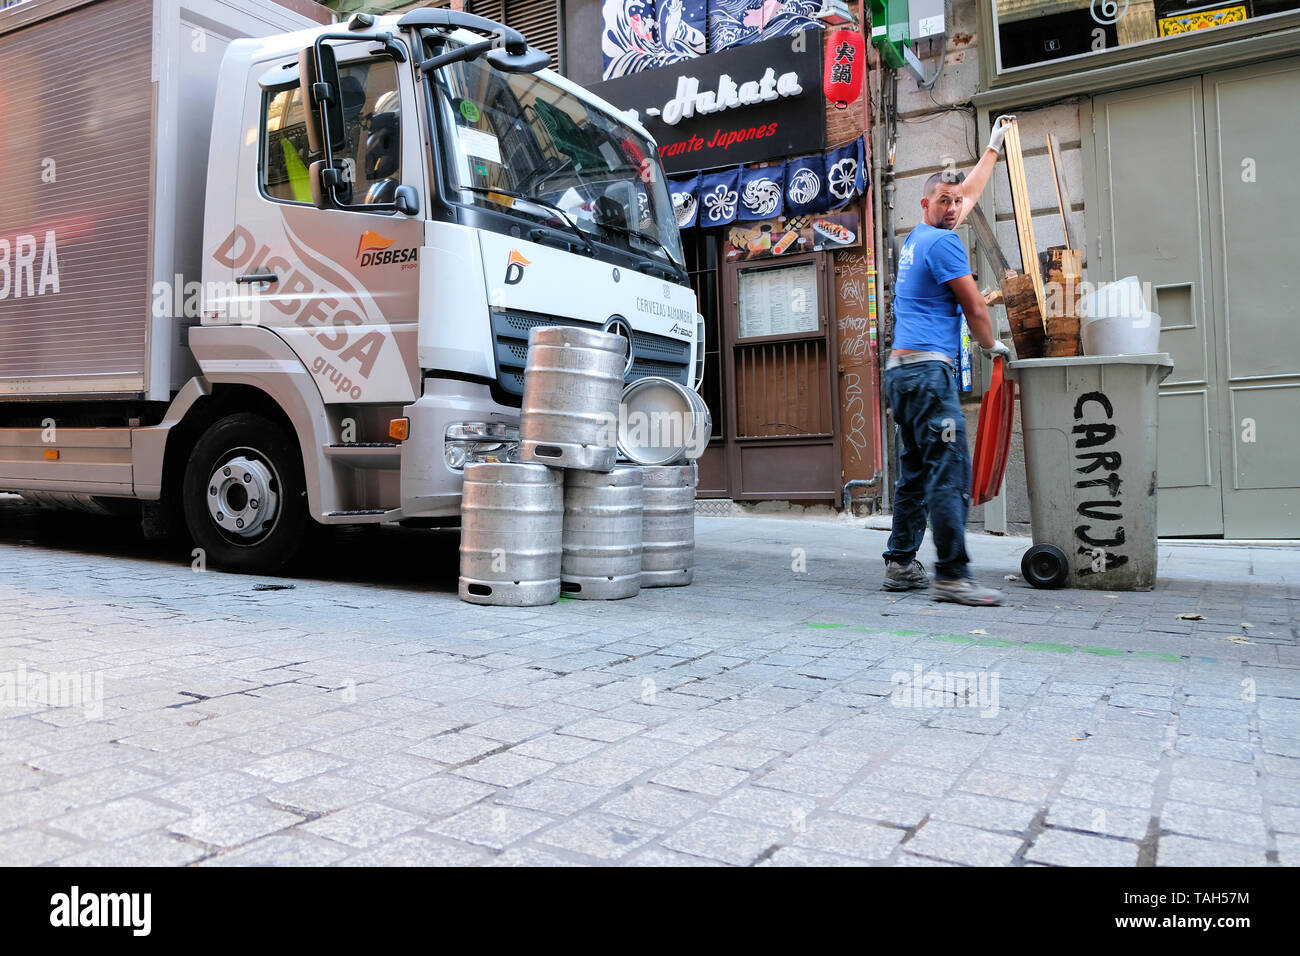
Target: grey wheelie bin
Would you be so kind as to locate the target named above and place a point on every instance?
(1089, 426)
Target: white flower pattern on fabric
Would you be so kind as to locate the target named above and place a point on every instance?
(762, 197)
(842, 177)
(721, 203)
(804, 187)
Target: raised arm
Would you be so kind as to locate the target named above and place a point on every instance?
(973, 186)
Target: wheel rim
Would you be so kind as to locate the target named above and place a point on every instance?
(243, 496)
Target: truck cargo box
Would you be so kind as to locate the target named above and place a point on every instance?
(105, 115)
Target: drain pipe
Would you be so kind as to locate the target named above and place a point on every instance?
(859, 483)
(888, 267)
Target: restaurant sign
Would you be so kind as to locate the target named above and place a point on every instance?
(742, 105)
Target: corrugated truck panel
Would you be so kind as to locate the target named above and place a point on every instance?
(76, 122)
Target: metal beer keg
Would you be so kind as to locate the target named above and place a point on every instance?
(661, 422)
(572, 384)
(668, 525)
(602, 534)
(511, 534)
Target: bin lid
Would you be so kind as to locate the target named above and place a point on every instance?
(1150, 358)
(993, 435)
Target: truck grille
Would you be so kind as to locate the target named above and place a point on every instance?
(652, 355)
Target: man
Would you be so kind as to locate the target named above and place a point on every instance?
(933, 289)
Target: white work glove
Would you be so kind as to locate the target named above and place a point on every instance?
(999, 132)
(996, 349)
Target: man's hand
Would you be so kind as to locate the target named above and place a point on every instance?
(1000, 126)
(996, 349)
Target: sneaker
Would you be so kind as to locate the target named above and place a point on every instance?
(966, 591)
(904, 577)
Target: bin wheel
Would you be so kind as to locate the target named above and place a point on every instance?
(1045, 566)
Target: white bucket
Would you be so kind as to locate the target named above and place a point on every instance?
(1113, 300)
(1123, 335)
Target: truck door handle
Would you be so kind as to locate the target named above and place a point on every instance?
(258, 277)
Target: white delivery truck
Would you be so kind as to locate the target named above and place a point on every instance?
(258, 272)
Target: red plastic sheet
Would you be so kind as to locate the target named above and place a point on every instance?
(993, 436)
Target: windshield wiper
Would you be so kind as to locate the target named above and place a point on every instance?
(545, 204)
(674, 271)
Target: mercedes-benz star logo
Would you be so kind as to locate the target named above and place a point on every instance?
(617, 325)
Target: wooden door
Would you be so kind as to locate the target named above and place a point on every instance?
(781, 358)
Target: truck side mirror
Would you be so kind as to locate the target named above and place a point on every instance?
(407, 200)
(322, 98)
(330, 185)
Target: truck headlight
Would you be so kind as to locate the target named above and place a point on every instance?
(466, 442)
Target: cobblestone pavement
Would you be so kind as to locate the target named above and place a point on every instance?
(782, 710)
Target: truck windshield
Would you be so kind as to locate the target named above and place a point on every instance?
(521, 135)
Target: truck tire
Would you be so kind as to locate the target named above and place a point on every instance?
(245, 496)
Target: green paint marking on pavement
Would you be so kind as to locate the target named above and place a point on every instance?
(998, 642)
(1156, 655)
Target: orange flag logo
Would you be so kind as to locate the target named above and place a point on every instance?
(372, 240)
(515, 267)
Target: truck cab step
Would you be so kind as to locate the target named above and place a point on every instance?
(380, 455)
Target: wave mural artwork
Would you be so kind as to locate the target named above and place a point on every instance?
(646, 34)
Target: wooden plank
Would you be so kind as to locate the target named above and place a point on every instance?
(1022, 209)
(1062, 194)
(1063, 278)
(987, 239)
(1024, 316)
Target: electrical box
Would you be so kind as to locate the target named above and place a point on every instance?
(926, 19)
(890, 30)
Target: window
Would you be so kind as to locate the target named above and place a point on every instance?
(511, 132)
(1040, 31)
(779, 301)
(284, 145)
(371, 156)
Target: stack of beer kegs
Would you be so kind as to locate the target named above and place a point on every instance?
(571, 518)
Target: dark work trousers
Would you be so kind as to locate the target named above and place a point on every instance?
(933, 465)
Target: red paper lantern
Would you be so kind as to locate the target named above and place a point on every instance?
(846, 62)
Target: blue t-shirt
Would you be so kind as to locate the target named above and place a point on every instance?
(926, 314)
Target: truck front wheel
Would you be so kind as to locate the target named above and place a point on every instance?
(245, 496)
